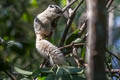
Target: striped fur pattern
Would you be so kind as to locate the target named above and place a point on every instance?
(49, 51)
(42, 28)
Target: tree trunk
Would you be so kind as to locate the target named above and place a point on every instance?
(97, 39)
(110, 27)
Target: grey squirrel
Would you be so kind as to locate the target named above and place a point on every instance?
(42, 28)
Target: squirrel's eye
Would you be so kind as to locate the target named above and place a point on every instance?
(51, 6)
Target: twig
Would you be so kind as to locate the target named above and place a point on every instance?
(2, 41)
(109, 69)
(75, 56)
(69, 22)
(84, 38)
(10, 74)
(109, 4)
(83, 27)
(112, 9)
(116, 63)
(72, 44)
(106, 2)
(79, 61)
(66, 7)
(45, 63)
(55, 20)
(114, 71)
(76, 8)
(112, 54)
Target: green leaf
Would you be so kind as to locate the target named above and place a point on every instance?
(63, 3)
(34, 3)
(25, 17)
(25, 79)
(52, 77)
(78, 40)
(41, 78)
(59, 73)
(72, 70)
(5, 38)
(72, 36)
(14, 43)
(42, 72)
(83, 52)
(66, 70)
(22, 71)
(70, 73)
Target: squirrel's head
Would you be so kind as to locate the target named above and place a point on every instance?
(55, 10)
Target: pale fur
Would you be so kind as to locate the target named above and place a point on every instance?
(42, 29)
(49, 51)
(46, 18)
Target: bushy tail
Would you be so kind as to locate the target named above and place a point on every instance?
(50, 52)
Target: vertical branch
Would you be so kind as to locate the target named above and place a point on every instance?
(69, 22)
(75, 56)
(83, 28)
(97, 39)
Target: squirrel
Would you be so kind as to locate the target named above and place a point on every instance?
(42, 28)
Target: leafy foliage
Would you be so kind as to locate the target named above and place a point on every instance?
(55, 73)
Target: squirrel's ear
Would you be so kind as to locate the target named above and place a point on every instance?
(51, 6)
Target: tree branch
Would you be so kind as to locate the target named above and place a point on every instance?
(113, 54)
(114, 71)
(66, 7)
(112, 9)
(69, 22)
(83, 28)
(10, 74)
(72, 44)
(109, 3)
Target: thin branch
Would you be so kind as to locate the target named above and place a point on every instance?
(10, 74)
(2, 41)
(116, 63)
(44, 63)
(69, 22)
(83, 28)
(84, 38)
(72, 44)
(114, 71)
(112, 9)
(113, 54)
(76, 8)
(75, 56)
(109, 4)
(66, 7)
(109, 69)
